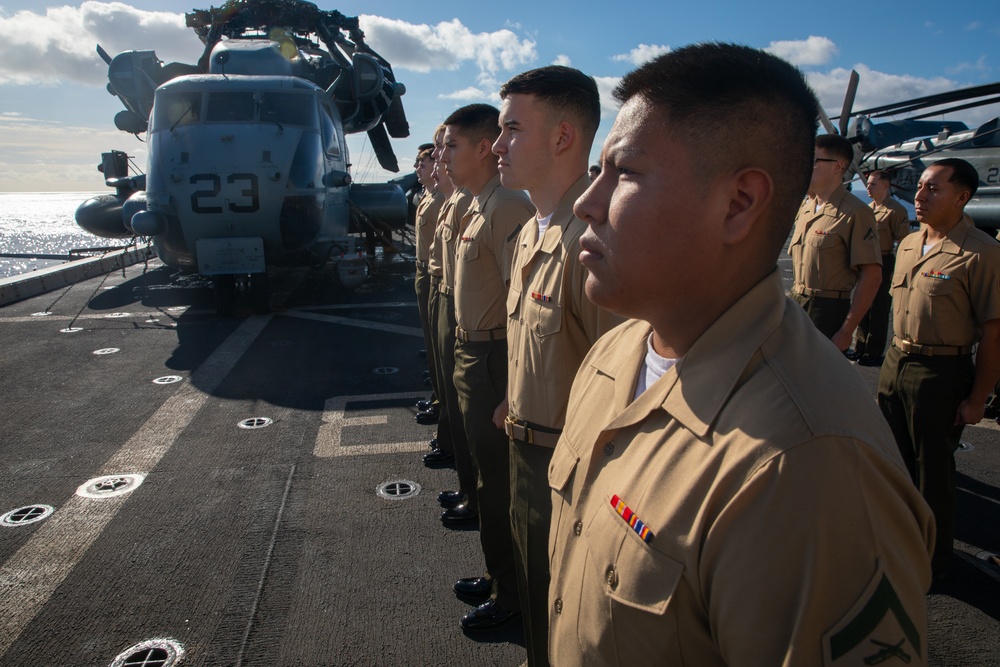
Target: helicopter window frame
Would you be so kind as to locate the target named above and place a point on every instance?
(331, 140)
(287, 108)
(231, 106)
(173, 109)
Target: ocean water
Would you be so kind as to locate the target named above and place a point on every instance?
(42, 223)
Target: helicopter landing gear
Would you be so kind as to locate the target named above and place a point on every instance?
(224, 287)
(228, 287)
(260, 293)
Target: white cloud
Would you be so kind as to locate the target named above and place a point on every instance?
(61, 44)
(447, 45)
(874, 88)
(562, 59)
(470, 94)
(974, 25)
(605, 86)
(811, 51)
(642, 53)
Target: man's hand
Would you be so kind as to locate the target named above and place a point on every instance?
(970, 412)
(500, 414)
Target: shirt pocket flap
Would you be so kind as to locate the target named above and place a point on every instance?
(513, 299)
(561, 468)
(634, 574)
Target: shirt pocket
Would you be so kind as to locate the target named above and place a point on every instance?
(933, 286)
(639, 585)
(471, 271)
(822, 241)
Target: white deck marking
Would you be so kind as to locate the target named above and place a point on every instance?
(363, 324)
(32, 574)
(329, 439)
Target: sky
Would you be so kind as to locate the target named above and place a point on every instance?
(56, 117)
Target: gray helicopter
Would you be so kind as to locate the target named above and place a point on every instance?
(247, 161)
(904, 148)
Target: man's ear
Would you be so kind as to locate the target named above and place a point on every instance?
(750, 195)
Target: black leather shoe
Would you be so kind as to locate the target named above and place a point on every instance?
(425, 404)
(438, 457)
(422, 354)
(851, 355)
(433, 444)
(451, 499)
(487, 616)
(427, 417)
(473, 588)
(459, 515)
(865, 360)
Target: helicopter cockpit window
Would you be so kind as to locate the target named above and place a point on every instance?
(330, 139)
(176, 110)
(230, 107)
(287, 109)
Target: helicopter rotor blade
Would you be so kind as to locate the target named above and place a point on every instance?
(971, 105)
(826, 122)
(852, 91)
(928, 101)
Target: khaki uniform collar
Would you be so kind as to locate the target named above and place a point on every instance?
(483, 198)
(562, 216)
(695, 390)
(954, 240)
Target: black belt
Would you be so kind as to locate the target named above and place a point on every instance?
(518, 429)
(802, 290)
(422, 265)
(907, 347)
(480, 336)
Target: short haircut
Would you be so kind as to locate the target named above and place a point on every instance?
(880, 175)
(737, 107)
(838, 146)
(425, 147)
(564, 90)
(476, 122)
(962, 173)
(427, 153)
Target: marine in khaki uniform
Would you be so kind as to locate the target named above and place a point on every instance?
(482, 273)
(426, 221)
(712, 503)
(946, 299)
(892, 225)
(548, 120)
(834, 247)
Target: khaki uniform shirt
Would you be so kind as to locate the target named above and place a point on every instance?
(892, 223)
(485, 250)
(943, 297)
(427, 217)
(780, 525)
(829, 245)
(442, 262)
(551, 323)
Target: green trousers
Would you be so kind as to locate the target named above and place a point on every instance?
(919, 396)
(481, 382)
(530, 516)
(827, 314)
(874, 327)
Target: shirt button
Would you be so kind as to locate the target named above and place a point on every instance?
(612, 578)
(609, 448)
(558, 605)
(578, 528)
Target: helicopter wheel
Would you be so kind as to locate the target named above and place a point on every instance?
(224, 287)
(260, 293)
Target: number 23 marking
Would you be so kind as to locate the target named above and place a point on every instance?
(250, 195)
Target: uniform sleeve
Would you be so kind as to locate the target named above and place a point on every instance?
(901, 223)
(984, 285)
(822, 558)
(864, 247)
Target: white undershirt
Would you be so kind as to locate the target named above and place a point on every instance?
(653, 368)
(543, 224)
(927, 248)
